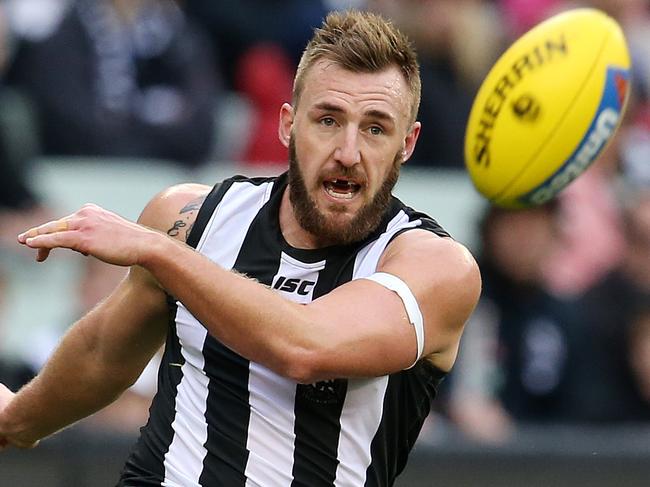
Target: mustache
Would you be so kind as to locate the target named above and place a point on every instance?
(345, 172)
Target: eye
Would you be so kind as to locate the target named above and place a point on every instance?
(375, 130)
(327, 121)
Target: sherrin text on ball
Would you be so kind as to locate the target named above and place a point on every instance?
(547, 108)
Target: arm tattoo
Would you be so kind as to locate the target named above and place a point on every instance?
(193, 205)
(187, 214)
(175, 230)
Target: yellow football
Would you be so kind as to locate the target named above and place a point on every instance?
(547, 108)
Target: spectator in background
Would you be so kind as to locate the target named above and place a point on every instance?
(591, 227)
(458, 41)
(615, 326)
(265, 78)
(127, 78)
(259, 55)
(516, 358)
(235, 26)
(531, 356)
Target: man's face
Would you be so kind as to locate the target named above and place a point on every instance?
(337, 230)
(348, 137)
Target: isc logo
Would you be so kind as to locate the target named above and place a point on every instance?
(293, 285)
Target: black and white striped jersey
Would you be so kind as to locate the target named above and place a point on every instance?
(221, 420)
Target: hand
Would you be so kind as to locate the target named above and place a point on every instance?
(93, 231)
(5, 397)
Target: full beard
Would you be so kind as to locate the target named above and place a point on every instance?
(332, 231)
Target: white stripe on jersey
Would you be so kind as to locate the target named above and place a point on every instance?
(271, 428)
(360, 419)
(223, 236)
(184, 459)
(368, 257)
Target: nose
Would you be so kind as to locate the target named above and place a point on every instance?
(348, 152)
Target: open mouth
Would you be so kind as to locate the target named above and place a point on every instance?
(340, 188)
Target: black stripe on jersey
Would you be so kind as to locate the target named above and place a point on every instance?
(228, 413)
(145, 465)
(205, 212)
(212, 200)
(318, 406)
(227, 416)
(406, 405)
(428, 223)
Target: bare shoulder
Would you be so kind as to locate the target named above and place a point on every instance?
(445, 279)
(431, 256)
(174, 209)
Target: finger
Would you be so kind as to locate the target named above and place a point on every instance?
(54, 226)
(45, 242)
(42, 254)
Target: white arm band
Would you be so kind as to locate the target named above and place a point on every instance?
(395, 284)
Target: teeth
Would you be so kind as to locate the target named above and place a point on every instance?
(341, 196)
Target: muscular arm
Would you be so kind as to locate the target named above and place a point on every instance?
(105, 351)
(360, 329)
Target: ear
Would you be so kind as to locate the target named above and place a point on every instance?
(410, 141)
(286, 124)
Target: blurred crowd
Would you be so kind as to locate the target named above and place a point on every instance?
(562, 332)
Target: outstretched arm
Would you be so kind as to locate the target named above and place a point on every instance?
(104, 352)
(99, 357)
(360, 329)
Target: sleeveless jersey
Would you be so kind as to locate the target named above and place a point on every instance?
(219, 419)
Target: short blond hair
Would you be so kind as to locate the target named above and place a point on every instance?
(361, 42)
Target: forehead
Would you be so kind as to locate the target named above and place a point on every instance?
(386, 90)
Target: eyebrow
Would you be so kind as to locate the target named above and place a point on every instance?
(380, 115)
(328, 107)
(374, 113)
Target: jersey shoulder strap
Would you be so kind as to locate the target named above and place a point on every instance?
(213, 199)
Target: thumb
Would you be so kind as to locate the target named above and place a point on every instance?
(5, 395)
